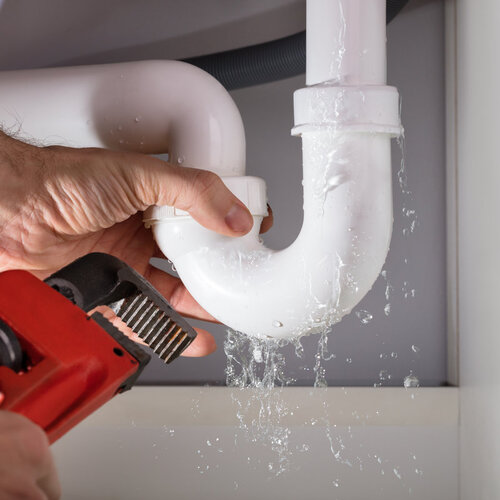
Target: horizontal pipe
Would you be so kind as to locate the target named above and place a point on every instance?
(151, 107)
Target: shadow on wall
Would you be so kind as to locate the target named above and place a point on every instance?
(105, 31)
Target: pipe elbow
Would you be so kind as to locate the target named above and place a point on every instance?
(173, 107)
(151, 107)
(342, 246)
(333, 263)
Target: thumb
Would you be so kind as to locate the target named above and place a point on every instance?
(199, 192)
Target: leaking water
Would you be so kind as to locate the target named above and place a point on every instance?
(364, 316)
(256, 366)
(259, 365)
(411, 381)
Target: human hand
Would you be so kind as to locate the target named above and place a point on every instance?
(26, 466)
(58, 203)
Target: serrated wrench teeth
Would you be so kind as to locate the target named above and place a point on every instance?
(155, 327)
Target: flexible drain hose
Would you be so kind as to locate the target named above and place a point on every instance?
(266, 62)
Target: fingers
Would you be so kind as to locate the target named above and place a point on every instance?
(199, 192)
(49, 482)
(177, 294)
(203, 345)
(26, 466)
(268, 221)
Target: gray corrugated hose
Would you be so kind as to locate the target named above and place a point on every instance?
(266, 62)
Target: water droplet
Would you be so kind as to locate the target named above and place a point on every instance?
(137, 119)
(411, 381)
(384, 375)
(387, 309)
(348, 360)
(257, 354)
(394, 355)
(364, 316)
(415, 349)
(180, 160)
(277, 324)
(209, 443)
(336, 483)
(396, 472)
(299, 348)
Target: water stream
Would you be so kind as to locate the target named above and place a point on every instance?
(258, 368)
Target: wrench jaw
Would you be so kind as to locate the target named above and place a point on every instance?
(99, 279)
(165, 332)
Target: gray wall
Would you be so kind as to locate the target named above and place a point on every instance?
(54, 32)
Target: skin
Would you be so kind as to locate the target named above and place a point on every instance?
(27, 468)
(57, 204)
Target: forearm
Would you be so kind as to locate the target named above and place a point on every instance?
(18, 167)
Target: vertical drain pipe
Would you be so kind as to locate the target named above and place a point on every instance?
(346, 117)
(346, 42)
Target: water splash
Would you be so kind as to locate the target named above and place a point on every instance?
(410, 217)
(322, 354)
(411, 381)
(364, 316)
(259, 364)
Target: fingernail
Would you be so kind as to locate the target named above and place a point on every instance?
(239, 219)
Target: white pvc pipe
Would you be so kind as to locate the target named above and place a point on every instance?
(346, 125)
(325, 272)
(346, 42)
(151, 106)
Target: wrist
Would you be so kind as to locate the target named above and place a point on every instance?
(17, 161)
